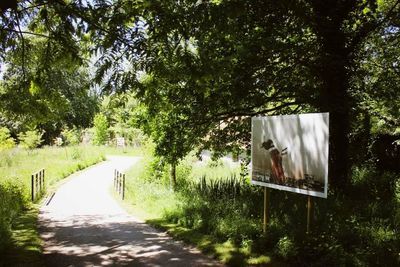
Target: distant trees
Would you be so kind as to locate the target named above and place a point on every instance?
(47, 91)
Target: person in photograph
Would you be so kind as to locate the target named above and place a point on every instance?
(277, 173)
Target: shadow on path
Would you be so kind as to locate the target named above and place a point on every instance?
(113, 241)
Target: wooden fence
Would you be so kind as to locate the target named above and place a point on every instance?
(119, 183)
(37, 184)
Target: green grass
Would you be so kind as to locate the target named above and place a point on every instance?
(225, 251)
(58, 162)
(213, 170)
(147, 199)
(25, 247)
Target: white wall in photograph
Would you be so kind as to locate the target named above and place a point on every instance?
(290, 152)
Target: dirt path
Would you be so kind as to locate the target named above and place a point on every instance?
(84, 226)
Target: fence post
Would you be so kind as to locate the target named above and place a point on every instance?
(120, 183)
(40, 181)
(123, 186)
(36, 183)
(43, 184)
(33, 186)
(117, 182)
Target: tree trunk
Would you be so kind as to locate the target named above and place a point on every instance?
(334, 99)
(333, 66)
(172, 181)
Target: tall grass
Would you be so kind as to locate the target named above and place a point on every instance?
(148, 194)
(18, 164)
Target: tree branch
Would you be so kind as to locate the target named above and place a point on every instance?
(246, 113)
(19, 31)
(23, 45)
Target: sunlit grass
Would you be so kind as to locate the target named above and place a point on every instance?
(58, 162)
(222, 168)
(148, 200)
(227, 252)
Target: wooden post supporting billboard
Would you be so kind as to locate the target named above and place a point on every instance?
(309, 213)
(266, 209)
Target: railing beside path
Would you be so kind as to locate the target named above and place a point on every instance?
(37, 184)
(119, 183)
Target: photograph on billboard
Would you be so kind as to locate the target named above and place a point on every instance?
(290, 152)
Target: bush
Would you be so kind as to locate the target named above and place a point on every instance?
(6, 141)
(286, 248)
(100, 129)
(71, 137)
(30, 139)
(12, 202)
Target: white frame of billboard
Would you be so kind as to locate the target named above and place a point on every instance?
(287, 188)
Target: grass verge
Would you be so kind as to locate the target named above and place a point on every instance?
(25, 247)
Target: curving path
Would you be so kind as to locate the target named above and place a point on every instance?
(83, 225)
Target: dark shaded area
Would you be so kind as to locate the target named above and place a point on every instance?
(208, 244)
(386, 150)
(6, 4)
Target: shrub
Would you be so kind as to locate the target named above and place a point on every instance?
(71, 136)
(12, 201)
(6, 141)
(30, 139)
(100, 129)
(286, 248)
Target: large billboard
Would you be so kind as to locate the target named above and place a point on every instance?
(290, 153)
